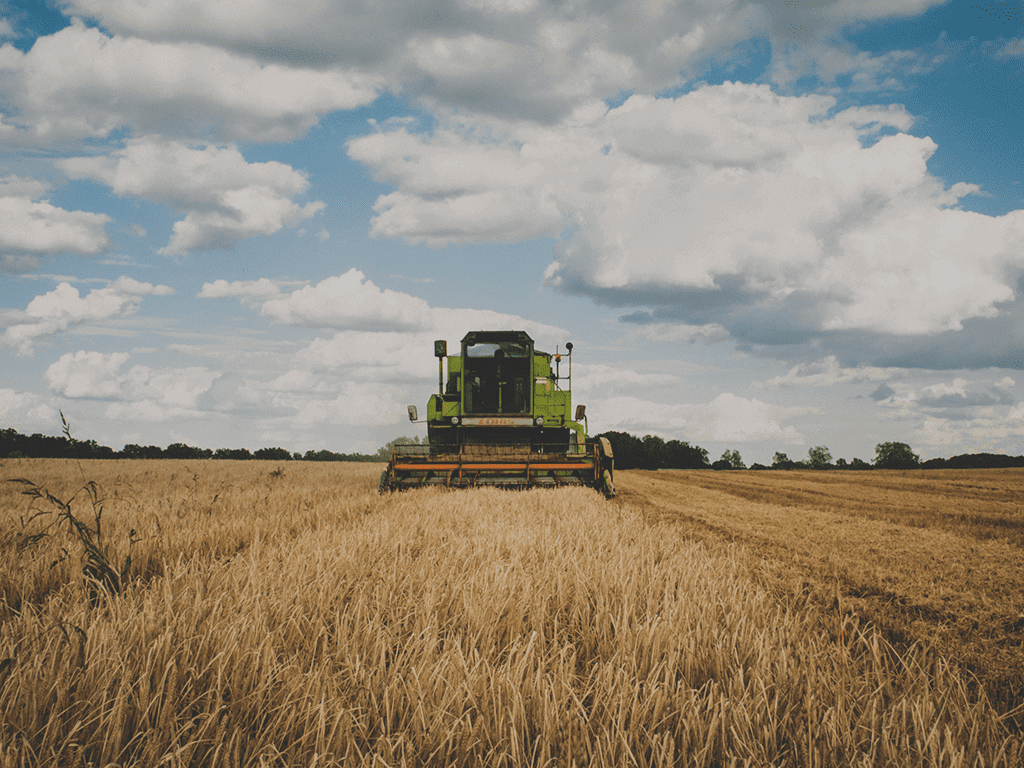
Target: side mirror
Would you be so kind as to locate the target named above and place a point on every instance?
(440, 348)
(413, 414)
(581, 412)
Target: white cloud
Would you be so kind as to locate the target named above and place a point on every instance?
(148, 411)
(87, 374)
(731, 192)
(372, 318)
(349, 301)
(301, 398)
(1013, 48)
(141, 394)
(31, 227)
(727, 418)
(357, 404)
(596, 380)
(985, 433)
(372, 355)
(380, 357)
(391, 355)
(17, 408)
(967, 412)
(79, 83)
(244, 289)
(827, 59)
(173, 388)
(667, 333)
(226, 198)
(534, 59)
(64, 307)
(452, 191)
(828, 372)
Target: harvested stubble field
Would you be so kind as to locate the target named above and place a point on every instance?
(284, 614)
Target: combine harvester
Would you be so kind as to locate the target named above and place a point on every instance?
(502, 419)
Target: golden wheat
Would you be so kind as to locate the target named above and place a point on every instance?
(303, 620)
(897, 549)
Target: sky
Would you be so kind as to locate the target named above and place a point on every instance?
(764, 225)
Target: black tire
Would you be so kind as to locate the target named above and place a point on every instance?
(609, 487)
(383, 485)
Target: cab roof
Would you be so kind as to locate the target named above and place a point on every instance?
(497, 337)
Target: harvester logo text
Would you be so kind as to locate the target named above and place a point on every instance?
(498, 421)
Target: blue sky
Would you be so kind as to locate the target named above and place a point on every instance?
(765, 226)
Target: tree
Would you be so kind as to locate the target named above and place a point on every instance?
(384, 454)
(628, 449)
(272, 454)
(233, 454)
(782, 461)
(183, 451)
(654, 447)
(819, 457)
(133, 451)
(733, 457)
(896, 456)
(682, 455)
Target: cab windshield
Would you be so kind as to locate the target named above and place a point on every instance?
(498, 376)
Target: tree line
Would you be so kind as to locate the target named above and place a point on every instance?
(14, 445)
(631, 452)
(652, 452)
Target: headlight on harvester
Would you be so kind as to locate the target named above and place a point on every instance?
(539, 421)
(455, 420)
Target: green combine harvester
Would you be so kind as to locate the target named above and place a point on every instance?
(502, 418)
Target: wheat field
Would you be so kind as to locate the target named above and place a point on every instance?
(262, 613)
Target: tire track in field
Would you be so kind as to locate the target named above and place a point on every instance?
(914, 583)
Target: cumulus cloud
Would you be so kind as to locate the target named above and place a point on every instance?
(371, 320)
(984, 433)
(79, 83)
(455, 192)
(372, 355)
(18, 408)
(356, 404)
(667, 333)
(727, 418)
(534, 59)
(261, 289)
(1013, 48)
(226, 199)
(828, 371)
(776, 217)
(141, 394)
(961, 393)
(349, 301)
(300, 398)
(87, 374)
(958, 400)
(380, 355)
(30, 227)
(596, 380)
(63, 308)
(406, 356)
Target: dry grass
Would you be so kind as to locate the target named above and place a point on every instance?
(178, 510)
(916, 553)
(302, 620)
(981, 503)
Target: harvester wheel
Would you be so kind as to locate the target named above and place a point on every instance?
(609, 487)
(383, 485)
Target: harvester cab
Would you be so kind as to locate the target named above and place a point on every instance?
(502, 417)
